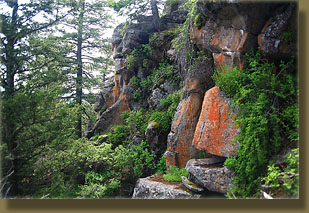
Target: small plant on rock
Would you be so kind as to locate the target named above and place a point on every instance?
(174, 174)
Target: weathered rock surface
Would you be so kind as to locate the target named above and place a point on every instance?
(215, 130)
(148, 189)
(161, 92)
(229, 29)
(190, 185)
(157, 143)
(179, 141)
(212, 177)
(276, 38)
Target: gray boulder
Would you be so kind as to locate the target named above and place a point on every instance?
(212, 177)
(148, 189)
(191, 186)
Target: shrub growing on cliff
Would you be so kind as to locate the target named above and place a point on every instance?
(283, 179)
(263, 96)
(174, 174)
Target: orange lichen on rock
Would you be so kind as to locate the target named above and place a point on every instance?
(242, 42)
(215, 130)
(182, 131)
(116, 89)
(218, 59)
(259, 38)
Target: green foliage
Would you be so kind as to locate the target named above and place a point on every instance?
(171, 102)
(146, 49)
(138, 55)
(199, 20)
(184, 38)
(164, 71)
(136, 121)
(131, 58)
(174, 174)
(135, 82)
(96, 186)
(229, 79)
(83, 170)
(118, 135)
(260, 97)
(161, 166)
(286, 179)
(133, 163)
(132, 9)
(162, 118)
(287, 36)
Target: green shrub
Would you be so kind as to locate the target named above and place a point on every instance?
(136, 122)
(161, 165)
(172, 100)
(199, 20)
(174, 174)
(118, 135)
(164, 71)
(260, 96)
(229, 79)
(97, 186)
(287, 36)
(284, 180)
(133, 163)
(162, 118)
(135, 82)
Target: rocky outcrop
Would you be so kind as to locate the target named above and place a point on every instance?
(212, 177)
(277, 38)
(215, 130)
(179, 141)
(221, 35)
(161, 92)
(155, 138)
(149, 189)
(229, 30)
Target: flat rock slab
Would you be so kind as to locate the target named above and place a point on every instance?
(149, 189)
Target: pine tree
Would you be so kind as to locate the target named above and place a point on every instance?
(135, 9)
(84, 29)
(22, 55)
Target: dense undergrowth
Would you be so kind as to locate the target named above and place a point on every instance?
(97, 169)
(265, 99)
(55, 164)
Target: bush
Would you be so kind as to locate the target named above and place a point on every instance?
(284, 179)
(262, 98)
(133, 163)
(97, 186)
(136, 122)
(161, 166)
(162, 118)
(174, 174)
(118, 135)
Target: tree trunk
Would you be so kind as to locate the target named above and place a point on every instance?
(79, 80)
(10, 126)
(155, 14)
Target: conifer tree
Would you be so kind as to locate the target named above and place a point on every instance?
(84, 29)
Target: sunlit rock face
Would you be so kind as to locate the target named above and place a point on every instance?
(215, 130)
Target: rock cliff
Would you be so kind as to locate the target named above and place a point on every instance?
(220, 35)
